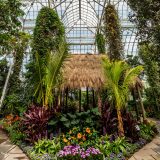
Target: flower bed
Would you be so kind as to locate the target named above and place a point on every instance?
(103, 147)
(78, 143)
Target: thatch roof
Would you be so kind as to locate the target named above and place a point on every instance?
(83, 70)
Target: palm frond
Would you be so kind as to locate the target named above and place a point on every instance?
(53, 76)
(119, 76)
(131, 75)
(39, 92)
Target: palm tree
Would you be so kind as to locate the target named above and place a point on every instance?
(50, 77)
(119, 77)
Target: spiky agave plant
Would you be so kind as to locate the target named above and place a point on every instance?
(119, 77)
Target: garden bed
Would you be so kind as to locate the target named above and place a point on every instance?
(125, 149)
(77, 143)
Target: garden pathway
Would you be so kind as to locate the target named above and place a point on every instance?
(8, 151)
(150, 151)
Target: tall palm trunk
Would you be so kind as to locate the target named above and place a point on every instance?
(141, 103)
(136, 105)
(120, 123)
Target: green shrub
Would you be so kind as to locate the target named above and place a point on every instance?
(15, 133)
(15, 104)
(47, 146)
(108, 145)
(147, 131)
(67, 121)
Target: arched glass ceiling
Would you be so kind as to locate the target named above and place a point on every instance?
(82, 19)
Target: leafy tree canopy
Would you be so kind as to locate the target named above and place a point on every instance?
(9, 22)
(147, 17)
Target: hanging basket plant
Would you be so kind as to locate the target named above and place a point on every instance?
(113, 33)
(48, 32)
(100, 41)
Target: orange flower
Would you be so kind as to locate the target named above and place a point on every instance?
(9, 117)
(65, 140)
(17, 118)
(88, 130)
(79, 135)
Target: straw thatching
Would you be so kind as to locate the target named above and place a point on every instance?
(83, 70)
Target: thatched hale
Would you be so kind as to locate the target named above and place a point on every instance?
(83, 70)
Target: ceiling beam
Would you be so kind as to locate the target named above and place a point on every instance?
(79, 9)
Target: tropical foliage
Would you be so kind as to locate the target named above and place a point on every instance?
(119, 78)
(51, 120)
(14, 43)
(35, 123)
(67, 121)
(49, 76)
(146, 15)
(151, 66)
(48, 47)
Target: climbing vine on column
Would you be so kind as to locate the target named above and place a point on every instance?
(113, 33)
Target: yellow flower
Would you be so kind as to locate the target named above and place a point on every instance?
(73, 137)
(88, 130)
(70, 132)
(79, 135)
(65, 140)
(68, 143)
(81, 143)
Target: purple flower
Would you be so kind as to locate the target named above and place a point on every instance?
(76, 150)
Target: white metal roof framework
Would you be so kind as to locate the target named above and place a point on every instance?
(82, 19)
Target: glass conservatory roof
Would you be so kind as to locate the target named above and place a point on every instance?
(82, 19)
